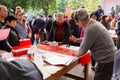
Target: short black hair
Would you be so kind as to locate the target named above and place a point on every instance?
(10, 17)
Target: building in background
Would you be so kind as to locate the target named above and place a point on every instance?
(107, 4)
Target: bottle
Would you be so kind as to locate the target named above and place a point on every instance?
(31, 52)
(30, 55)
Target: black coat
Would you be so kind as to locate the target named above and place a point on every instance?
(65, 32)
(4, 45)
(13, 37)
(75, 31)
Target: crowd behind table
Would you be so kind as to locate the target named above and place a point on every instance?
(58, 28)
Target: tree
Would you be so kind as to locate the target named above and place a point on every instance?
(11, 4)
(50, 6)
(90, 5)
(62, 5)
(46, 5)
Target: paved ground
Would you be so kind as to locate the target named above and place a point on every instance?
(78, 70)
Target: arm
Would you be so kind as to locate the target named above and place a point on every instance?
(5, 45)
(66, 33)
(74, 39)
(51, 33)
(29, 32)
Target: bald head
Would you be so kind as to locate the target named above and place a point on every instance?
(2, 7)
(3, 11)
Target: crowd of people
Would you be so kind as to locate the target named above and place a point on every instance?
(89, 31)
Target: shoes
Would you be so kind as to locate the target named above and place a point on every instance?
(93, 68)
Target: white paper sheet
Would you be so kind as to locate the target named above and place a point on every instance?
(59, 60)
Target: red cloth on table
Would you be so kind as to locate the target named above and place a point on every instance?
(83, 59)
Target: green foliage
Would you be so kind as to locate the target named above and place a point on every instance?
(11, 4)
(62, 5)
(90, 5)
(50, 6)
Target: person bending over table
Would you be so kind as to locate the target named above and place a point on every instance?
(98, 40)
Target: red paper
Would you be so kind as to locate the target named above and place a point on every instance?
(4, 33)
(83, 59)
(57, 49)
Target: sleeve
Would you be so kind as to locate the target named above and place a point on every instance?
(67, 33)
(118, 28)
(79, 40)
(87, 42)
(51, 33)
(5, 45)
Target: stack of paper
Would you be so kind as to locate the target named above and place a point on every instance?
(59, 60)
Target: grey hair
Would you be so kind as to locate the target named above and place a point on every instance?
(81, 14)
(60, 14)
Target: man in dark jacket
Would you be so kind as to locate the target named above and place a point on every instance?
(100, 11)
(75, 29)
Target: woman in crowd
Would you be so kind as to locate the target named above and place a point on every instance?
(104, 21)
(60, 30)
(23, 29)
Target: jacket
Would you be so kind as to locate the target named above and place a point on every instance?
(65, 32)
(19, 70)
(13, 37)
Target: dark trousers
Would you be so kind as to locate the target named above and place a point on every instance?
(93, 61)
(104, 71)
(118, 42)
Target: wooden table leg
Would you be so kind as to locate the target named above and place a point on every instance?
(86, 71)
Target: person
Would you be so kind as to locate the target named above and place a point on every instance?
(4, 45)
(24, 31)
(118, 34)
(60, 30)
(113, 22)
(13, 38)
(49, 23)
(104, 21)
(94, 16)
(3, 15)
(98, 40)
(74, 29)
(18, 9)
(39, 29)
(112, 12)
(100, 11)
